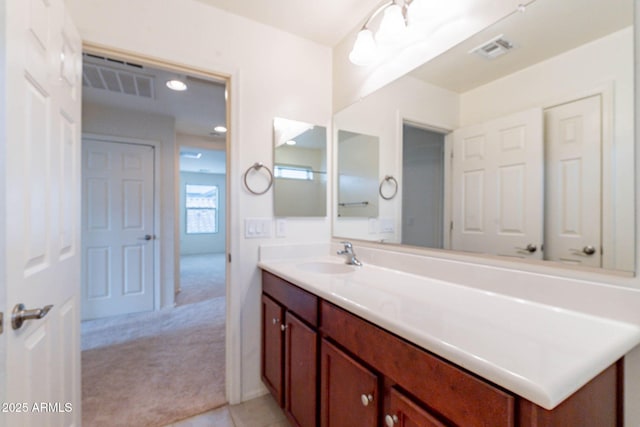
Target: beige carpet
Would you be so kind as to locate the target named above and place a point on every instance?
(201, 277)
(152, 369)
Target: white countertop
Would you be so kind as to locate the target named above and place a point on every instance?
(540, 352)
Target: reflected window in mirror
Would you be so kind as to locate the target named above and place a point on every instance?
(300, 169)
(539, 146)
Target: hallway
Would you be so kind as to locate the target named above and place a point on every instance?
(171, 363)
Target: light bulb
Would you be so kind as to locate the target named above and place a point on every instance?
(364, 49)
(392, 27)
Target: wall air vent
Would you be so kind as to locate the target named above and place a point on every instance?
(116, 76)
(493, 48)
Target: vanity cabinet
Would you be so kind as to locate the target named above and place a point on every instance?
(331, 368)
(290, 349)
(448, 393)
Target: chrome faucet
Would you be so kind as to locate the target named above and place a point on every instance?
(351, 256)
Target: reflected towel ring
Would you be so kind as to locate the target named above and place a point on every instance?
(388, 178)
(257, 166)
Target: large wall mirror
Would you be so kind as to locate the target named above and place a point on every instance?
(519, 142)
(299, 169)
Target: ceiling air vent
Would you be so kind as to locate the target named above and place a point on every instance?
(493, 48)
(116, 76)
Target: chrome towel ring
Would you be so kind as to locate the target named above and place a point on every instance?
(257, 166)
(392, 180)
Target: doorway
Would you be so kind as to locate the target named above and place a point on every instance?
(423, 181)
(169, 357)
(202, 223)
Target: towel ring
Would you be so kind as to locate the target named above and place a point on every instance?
(388, 178)
(257, 166)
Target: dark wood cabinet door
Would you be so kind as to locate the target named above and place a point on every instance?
(272, 348)
(405, 413)
(349, 392)
(301, 352)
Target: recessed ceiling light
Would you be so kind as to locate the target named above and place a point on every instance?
(220, 129)
(290, 142)
(177, 85)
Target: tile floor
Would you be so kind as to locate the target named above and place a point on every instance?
(260, 412)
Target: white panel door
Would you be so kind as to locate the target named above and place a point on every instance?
(573, 156)
(117, 228)
(497, 186)
(40, 198)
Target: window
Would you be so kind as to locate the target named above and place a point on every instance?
(293, 172)
(202, 209)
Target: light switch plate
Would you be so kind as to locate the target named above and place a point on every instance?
(257, 228)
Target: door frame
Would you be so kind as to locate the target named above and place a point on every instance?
(157, 290)
(233, 329)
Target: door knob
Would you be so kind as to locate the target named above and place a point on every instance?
(20, 314)
(147, 237)
(531, 248)
(587, 250)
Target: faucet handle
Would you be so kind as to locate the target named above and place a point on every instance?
(347, 244)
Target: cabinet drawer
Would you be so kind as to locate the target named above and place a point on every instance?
(453, 393)
(297, 300)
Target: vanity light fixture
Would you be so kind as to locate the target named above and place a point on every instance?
(177, 85)
(220, 129)
(392, 29)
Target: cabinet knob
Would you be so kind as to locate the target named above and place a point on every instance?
(391, 420)
(283, 327)
(366, 399)
(275, 320)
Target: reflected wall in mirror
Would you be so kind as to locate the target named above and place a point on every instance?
(357, 175)
(536, 140)
(299, 169)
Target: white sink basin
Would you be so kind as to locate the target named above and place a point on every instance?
(324, 267)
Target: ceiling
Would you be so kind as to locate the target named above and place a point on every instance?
(326, 22)
(545, 29)
(196, 111)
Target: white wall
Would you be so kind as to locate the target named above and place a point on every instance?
(193, 244)
(101, 120)
(604, 63)
(265, 83)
